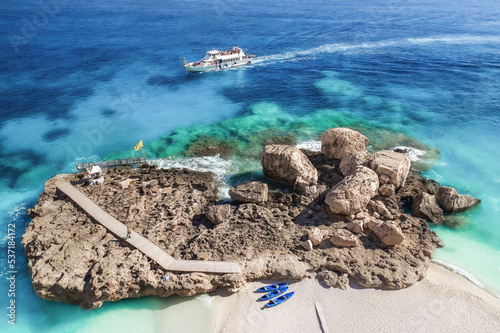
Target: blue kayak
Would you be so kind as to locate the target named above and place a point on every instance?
(273, 294)
(272, 287)
(278, 300)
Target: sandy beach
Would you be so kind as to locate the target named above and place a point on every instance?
(443, 302)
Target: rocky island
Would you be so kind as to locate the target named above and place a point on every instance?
(344, 213)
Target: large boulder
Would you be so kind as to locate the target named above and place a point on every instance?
(250, 192)
(353, 193)
(344, 238)
(450, 201)
(388, 232)
(391, 167)
(425, 206)
(350, 163)
(341, 142)
(288, 164)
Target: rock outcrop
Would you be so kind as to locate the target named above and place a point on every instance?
(289, 165)
(391, 167)
(251, 192)
(73, 259)
(425, 206)
(353, 193)
(341, 142)
(450, 201)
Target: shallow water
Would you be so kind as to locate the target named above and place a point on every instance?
(83, 80)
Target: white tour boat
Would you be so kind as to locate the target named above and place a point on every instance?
(215, 59)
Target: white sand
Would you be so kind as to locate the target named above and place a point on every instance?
(443, 302)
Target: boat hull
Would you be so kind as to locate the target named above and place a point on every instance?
(209, 68)
(273, 287)
(279, 300)
(273, 294)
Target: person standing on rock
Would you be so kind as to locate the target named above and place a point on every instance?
(129, 233)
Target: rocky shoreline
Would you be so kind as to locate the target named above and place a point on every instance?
(344, 216)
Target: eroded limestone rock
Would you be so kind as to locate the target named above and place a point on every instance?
(344, 238)
(341, 142)
(450, 201)
(425, 206)
(391, 167)
(388, 232)
(250, 192)
(289, 165)
(352, 194)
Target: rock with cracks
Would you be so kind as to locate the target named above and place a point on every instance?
(353, 193)
(289, 165)
(388, 232)
(250, 192)
(341, 142)
(425, 206)
(391, 167)
(344, 238)
(450, 201)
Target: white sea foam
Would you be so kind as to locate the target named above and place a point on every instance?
(363, 47)
(414, 153)
(458, 271)
(311, 145)
(222, 168)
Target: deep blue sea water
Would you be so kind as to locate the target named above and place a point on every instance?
(84, 80)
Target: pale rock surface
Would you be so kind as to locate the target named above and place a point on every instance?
(350, 163)
(307, 245)
(289, 165)
(250, 192)
(316, 235)
(344, 238)
(353, 193)
(450, 201)
(341, 142)
(392, 167)
(388, 232)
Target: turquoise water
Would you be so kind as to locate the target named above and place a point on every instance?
(86, 81)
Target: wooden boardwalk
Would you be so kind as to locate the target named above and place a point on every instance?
(112, 163)
(141, 243)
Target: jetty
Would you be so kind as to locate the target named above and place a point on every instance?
(111, 163)
(143, 244)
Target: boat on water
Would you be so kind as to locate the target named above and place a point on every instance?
(272, 287)
(278, 300)
(215, 60)
(273, 294)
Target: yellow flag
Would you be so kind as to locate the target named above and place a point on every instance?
(138, 146)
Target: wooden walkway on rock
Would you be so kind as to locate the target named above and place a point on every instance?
(112, 163)
(141, 243)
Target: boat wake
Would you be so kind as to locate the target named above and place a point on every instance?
(365, 47)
